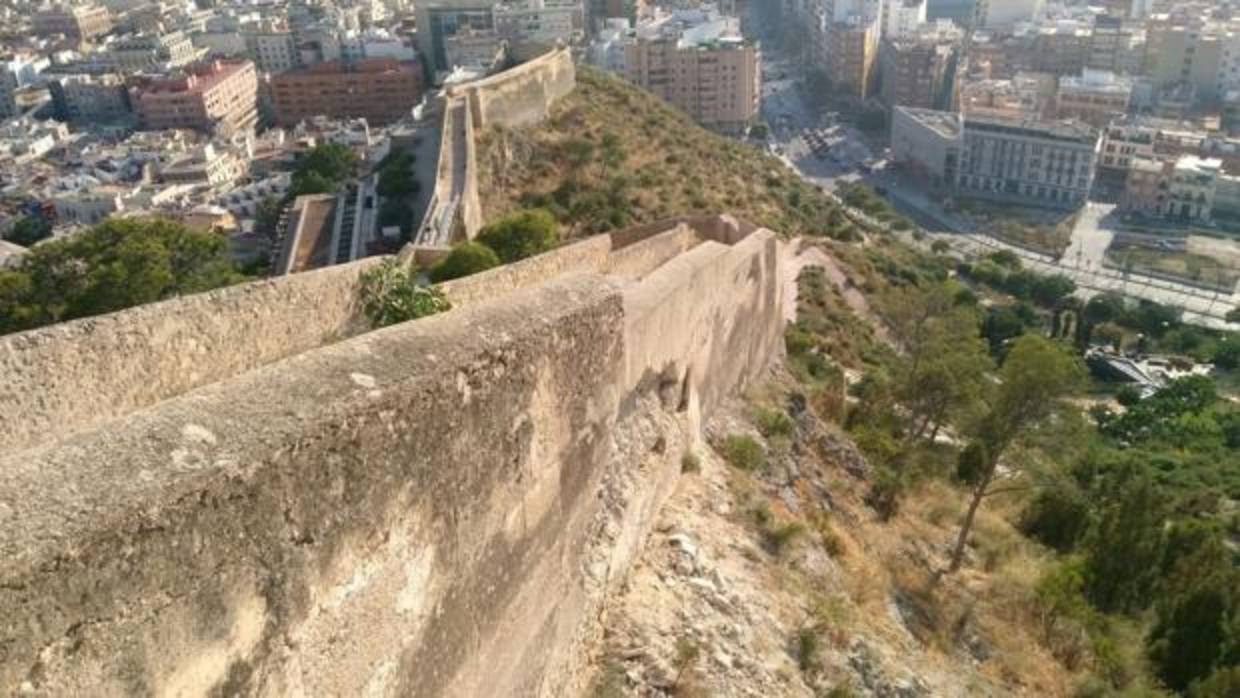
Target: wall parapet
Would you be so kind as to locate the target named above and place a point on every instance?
(409, 511)
(80, 373)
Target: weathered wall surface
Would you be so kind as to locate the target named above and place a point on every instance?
(523, 95)
(80, 373)
(353, 521)
(433, 509)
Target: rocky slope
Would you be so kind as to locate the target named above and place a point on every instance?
(779, 579)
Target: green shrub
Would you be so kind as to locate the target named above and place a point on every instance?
(772, 422)
(808, 646)
(390, 295)
(778, 538)
(521, 234)
(744, 452)
(464, 259)
(690, 463)
(885, 491)
(1057, 517)
(1223, 683)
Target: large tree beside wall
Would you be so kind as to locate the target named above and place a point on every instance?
(120, 263)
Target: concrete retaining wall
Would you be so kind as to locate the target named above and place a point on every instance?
(78, 374)
(433, 509)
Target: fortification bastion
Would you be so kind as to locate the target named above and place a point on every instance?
(436, 508)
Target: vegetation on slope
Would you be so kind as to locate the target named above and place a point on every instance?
(1116, 530)
(612, 155)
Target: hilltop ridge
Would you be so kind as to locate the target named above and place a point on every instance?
(611, 155)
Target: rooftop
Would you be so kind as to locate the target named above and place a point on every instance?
(945, 123)
(1066, 130)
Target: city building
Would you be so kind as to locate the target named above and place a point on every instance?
(8, 95)
(221, 96)
(926, 145)
(438, 20)
(79, 22)
(1191, 188)
(380, 90)
(1024, 96)
(1004, 13)
(1063, 48)
(694, 59)
(90, 99)
(1146, 186)
(1029, 162)
(204, 166)
(920, 70)
(1229, 116)
(530, 28)
(902, 18)
(474, 51)
(1187, 56)
(148, 52)
(1096, 97)
(272, 50)
(852, 57)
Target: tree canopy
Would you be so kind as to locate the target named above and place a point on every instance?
(322, 169)
(521, 234)
(464, 259)
(28, 230)
(117, 264)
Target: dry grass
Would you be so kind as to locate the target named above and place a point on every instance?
(668, 165)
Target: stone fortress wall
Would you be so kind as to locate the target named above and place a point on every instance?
(520, 96)
(79, 374)
(523, 95)
(431, 509)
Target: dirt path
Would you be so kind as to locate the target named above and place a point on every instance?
(799, 254)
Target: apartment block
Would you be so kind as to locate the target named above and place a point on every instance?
(81, 22)
(1060, 50)
(1029, 162)
(151, 52)
(531, 27)
(1004, 13)
(272, 50)
(919, 71)
(90, 99)
(714, 79)
(217, 97)
(380, 90)
(852, 59)
(1190, 57)
(1096, 97)
(439, 20)
(901, 19)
